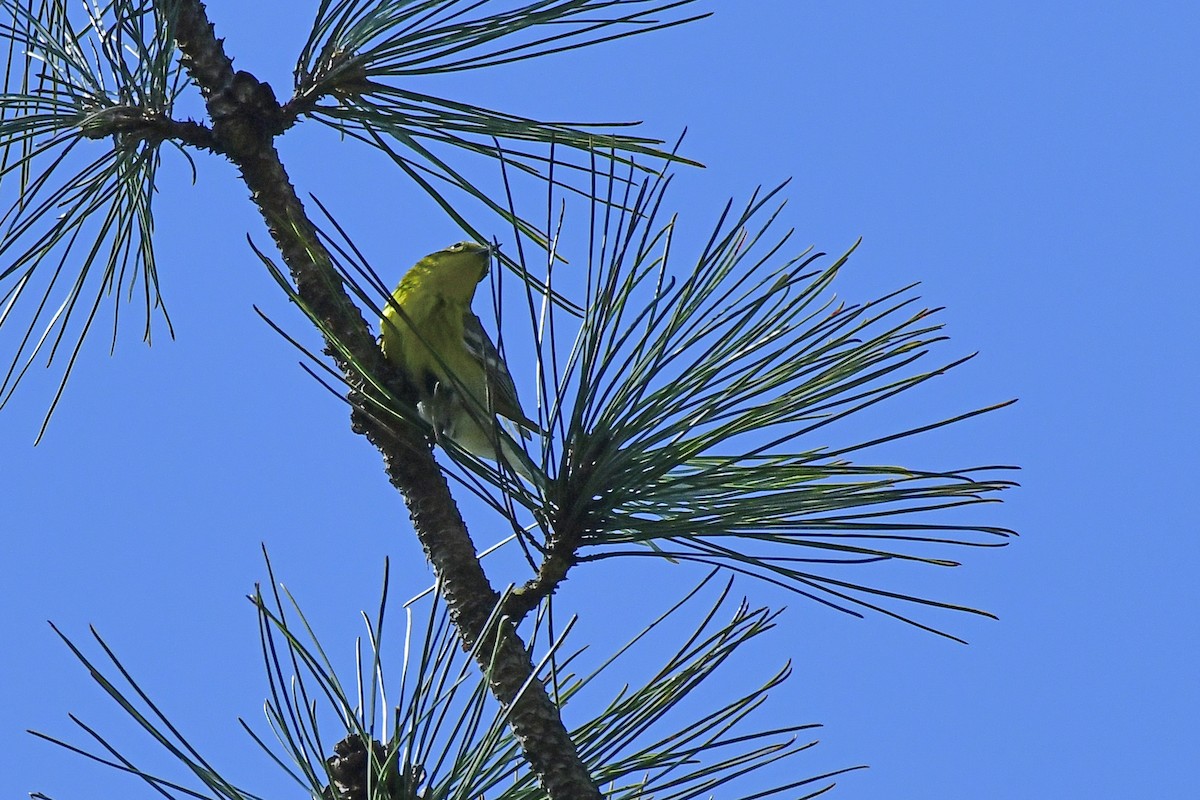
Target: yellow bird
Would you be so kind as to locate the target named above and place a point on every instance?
(461, 380)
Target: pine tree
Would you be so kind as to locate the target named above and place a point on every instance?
(684, 387)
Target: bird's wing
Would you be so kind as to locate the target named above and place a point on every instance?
(499, 380)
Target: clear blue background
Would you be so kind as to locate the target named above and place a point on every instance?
(1034, 165)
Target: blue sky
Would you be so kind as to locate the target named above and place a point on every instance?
(1033, 165)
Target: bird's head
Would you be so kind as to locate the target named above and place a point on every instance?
(459, 267)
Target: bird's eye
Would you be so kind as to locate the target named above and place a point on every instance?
(454, 248)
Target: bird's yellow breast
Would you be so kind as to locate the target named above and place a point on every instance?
(429, 345)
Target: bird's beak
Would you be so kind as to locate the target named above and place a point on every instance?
(487, 251)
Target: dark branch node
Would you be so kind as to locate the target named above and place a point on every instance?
(245, 112)
(356, 773)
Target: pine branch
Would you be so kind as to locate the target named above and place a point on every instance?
(245, 119)
(130, 125)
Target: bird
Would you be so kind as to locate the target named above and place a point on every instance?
(429, 331)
